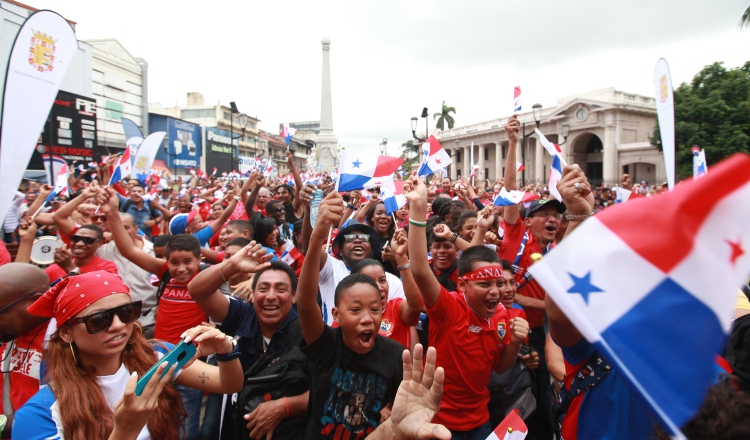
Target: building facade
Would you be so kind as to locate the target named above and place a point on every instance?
(609, 136)
(118, 83)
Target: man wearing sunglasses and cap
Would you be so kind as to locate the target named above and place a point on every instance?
(83, 246)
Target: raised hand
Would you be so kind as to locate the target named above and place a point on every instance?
(306, 194)
(575, 190)
(418, 398)
(133, 412)
(250, 259)
(626, 183)
(519, 330)
(400, 243)
(330, 212)
(443, 232)
(513, 127)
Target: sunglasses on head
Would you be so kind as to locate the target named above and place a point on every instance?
(101, 321)
(86, 240)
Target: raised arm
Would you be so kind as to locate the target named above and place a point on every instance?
(484, 222)
(217, 224)
(420, 268)
(204, 288)
(109, 202)
(27, 233)
(310, 316)
(44, 192)
(296, 205)
(412, 307)
(259, 182)
(444, 232)
(63, 216)
(513, 212)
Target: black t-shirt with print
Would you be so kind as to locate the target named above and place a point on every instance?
(348, 390)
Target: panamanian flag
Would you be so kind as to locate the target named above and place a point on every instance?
(287, 133)
(555, 174)
(393, 195)
(507, 198)
(359, 171)
(61, 182)
(434, 157)
(122, 169)
(616, 280)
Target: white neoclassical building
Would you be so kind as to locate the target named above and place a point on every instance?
(609, 134)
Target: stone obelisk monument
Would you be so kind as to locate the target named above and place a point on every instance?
(326, 155)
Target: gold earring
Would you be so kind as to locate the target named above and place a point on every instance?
(73, 353)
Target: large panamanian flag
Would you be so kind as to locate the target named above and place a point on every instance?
(616, 280)
(359, 171)
(435, 157)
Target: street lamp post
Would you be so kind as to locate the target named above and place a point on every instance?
(165, 144)
(242, 119)
(414, 120)
(456, 146)
(233, 112)
(537, 111)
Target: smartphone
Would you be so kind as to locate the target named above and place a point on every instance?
(180, 354)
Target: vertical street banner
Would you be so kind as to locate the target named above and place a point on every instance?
(147, 152)
(665, 113)
(133, 135)
(43, 50)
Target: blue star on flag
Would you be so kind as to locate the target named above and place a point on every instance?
(582, 285)
(357, 163)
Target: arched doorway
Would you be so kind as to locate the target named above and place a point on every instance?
(588, 151)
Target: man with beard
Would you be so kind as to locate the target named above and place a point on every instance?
(351, 245)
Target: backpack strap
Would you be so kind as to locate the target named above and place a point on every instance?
(588, 376)
(7, 404)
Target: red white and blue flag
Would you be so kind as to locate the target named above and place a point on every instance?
(507, 198)
(393, 195)
(359, 171)
(551, 147)
(511, 428)
(517, 99)
(287, 133)
(700, 168)
(435, 157)
(615, 280)
(61, 183)
(555, 174)
(122, 169)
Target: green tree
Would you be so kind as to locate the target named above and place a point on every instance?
(712, 112)
(411, 153)
(444, 116)
(745, 20)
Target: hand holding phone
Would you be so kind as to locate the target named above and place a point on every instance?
(180, 355)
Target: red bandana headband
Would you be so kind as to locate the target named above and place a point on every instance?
(484, 273)
(73, 294)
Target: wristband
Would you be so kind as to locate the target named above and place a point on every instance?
(286, 404)
(404, 267)
(579, 217)
(350, 206)
(455, 236)
(416, 223)
(221, 271)
(228, 357)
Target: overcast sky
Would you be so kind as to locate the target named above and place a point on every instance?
(391, 58)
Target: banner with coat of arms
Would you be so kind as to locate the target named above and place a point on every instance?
(43, 50)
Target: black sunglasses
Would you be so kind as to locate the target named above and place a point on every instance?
(86, 240)
(102, 321)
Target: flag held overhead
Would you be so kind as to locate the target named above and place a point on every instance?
(359, 171)
(435, 157)
(692, 271)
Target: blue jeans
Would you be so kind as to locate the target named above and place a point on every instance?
(478, 433)
(191, 399)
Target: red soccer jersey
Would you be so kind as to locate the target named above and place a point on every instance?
(54, 272)
(25, 359)
(392, 327)
(177, 310)
(508, 250)
(468, 348)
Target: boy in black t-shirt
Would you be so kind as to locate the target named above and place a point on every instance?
(354, 372)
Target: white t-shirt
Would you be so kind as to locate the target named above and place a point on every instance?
(138, 280)
(333, 272)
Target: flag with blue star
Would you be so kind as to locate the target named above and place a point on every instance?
(359, 171)
(657, 303)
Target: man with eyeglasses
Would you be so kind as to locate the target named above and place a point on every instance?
(81, 258)
(21, 335)
(351, 245)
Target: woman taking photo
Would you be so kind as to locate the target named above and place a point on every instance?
(95, 358)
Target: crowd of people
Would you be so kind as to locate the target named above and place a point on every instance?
(420, 323)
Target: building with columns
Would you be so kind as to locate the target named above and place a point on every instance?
(609, 136)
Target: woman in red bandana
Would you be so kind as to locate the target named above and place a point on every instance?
(95, 358)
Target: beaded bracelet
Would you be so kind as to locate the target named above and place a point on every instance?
(286, 404)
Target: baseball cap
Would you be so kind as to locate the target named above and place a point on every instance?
(538, 204)
(180, 221)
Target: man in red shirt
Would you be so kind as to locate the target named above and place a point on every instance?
(470, 329)
(21, 335)
(83, 246)
(445, 187)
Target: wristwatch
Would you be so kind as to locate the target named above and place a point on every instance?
(228, 357)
